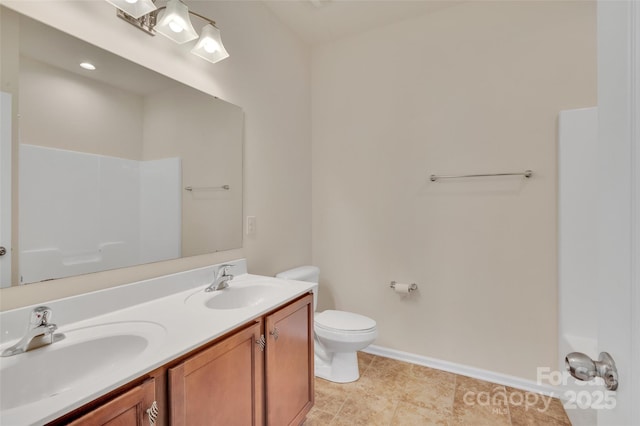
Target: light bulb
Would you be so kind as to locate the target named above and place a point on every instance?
(211, 46)
(176, 27)
(88, 66)
(131, 1)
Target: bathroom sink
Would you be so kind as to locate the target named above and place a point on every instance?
(243, 296)
(238, 296)
(78, 355)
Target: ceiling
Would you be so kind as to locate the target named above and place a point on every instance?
(321, 21)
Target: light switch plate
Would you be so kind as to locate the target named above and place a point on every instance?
(251, 225)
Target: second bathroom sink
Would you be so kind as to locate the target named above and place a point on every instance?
(242, 297)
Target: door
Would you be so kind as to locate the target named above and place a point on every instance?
(221, 385)
(289, 363)
(618, 190)
(5, 189)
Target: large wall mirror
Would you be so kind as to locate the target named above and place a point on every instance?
(117, 166)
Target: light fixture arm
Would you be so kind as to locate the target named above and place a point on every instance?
(202, 17)
(144, 23)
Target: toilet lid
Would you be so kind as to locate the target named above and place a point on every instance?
(340, 320)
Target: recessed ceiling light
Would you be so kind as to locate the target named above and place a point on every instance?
(88, 66)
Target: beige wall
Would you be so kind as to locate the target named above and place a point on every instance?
(268, 76)
(473, 88)
(206, 134)
(91, 106)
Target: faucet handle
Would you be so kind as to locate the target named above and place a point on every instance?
(40, 316)
(225, 269)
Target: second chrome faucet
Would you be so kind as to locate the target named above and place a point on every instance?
(221, 280)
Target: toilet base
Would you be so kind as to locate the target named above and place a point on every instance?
(343, 367)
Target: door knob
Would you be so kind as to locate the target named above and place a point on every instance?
(3, 251)
(584, 368)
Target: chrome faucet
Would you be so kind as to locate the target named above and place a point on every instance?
(221, 280)
(39, 333)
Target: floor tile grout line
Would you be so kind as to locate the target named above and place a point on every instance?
(335, 417)
(393, 416)
(508, 406)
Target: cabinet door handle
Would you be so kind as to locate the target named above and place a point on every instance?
(274, 333)
(153, 412)
(261, 342)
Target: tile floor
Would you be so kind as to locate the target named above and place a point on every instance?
(391, 392)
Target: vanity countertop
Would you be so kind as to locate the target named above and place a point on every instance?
(174, 322)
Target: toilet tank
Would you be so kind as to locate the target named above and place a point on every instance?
(310, 274)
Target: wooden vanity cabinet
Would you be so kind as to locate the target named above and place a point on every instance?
(224, 384)
(127, 409)
(289, 373)
(261, 374)
(221, 385)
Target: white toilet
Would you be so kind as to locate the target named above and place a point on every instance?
(338, 334)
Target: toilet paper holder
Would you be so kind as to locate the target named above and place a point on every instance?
(412, 287)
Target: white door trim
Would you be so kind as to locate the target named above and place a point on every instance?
(5, 188)
(635, 206)
(619, 186)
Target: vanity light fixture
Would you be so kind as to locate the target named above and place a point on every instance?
(173, 22)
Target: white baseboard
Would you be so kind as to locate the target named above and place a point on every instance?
(464, 370)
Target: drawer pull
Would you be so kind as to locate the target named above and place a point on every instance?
(274, 333)
(153, 412)
(261, 342)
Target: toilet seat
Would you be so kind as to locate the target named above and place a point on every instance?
(344, 322)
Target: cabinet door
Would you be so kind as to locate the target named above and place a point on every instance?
(221, 385)
(128, 409)
(289, 363)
